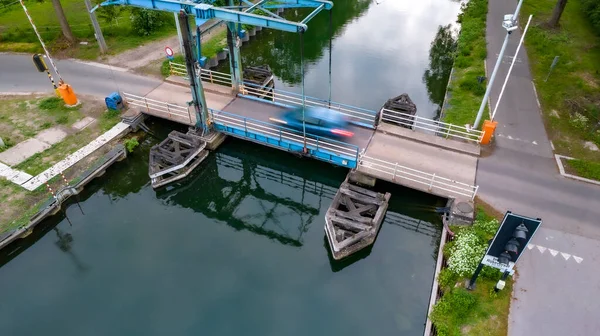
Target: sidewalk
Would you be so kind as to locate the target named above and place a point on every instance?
(553, 290)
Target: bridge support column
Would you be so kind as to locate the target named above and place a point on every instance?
(198, 99)
(233, 44)
(361, 179)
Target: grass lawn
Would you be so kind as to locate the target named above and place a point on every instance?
(24, 118)
(570, 98)
(465, 92)
(586, 169)
(17, 35)
(481, 311)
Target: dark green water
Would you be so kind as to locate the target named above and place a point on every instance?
(238, 248)
(378, 52)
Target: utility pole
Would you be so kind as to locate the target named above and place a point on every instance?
(510, 24)
(97, 30)
(181, 48)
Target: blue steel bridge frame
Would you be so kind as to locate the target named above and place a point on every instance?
(236, 15)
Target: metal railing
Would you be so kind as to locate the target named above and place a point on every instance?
(432, 181)
(357, 115)
(363, 117)
(159, 108)
(440, 128)
(283, 134)
(215, 77)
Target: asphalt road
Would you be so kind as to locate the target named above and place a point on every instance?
(18, 74)
(554, 291)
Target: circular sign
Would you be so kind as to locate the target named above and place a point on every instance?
(168, 51)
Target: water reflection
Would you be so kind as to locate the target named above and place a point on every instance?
(441, 59)
(65, 244)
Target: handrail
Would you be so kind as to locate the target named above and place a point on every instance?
(439, 127)
(356, 114)
(417, 176)
(158, 106)
(313, 142)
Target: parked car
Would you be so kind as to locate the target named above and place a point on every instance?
(319, 121)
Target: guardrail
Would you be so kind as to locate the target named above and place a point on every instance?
(215, 77)
(357, 115)
(159, 108)
(440, 128)
(329, 150)
(432, 181)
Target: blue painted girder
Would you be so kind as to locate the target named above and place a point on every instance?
(204, 12)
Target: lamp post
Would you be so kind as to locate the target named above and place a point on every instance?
(510, 24)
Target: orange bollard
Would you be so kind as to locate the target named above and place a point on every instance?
(488, 131)
(67, 94)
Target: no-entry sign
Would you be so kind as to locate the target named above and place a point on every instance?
(169, 52)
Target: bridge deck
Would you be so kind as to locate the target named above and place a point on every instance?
(419, 156)
(263, 111)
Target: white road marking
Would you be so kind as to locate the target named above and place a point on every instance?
(552, 145)
(554, 253)
(536, 97)
(516, 139)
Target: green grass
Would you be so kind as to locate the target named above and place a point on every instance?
(477, 312)
(586, 169)
(109, 119)
(570, 98)
(17, 35)
(210, 49)
(464, 90)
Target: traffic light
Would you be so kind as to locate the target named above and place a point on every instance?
(39, 63)
(508, 244)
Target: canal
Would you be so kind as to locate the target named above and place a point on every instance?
(379, 51)
(238, 247)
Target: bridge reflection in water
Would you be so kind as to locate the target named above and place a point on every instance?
(278, 201)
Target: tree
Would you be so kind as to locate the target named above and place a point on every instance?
(62, 19)
(557, 13)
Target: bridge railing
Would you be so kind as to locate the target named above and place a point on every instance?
(325, 149)
(440, 128)
(156, 107)
(432, 181)
(215, 77)
(357, 115)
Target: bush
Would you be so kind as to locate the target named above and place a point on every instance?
(131, 144)
(451, 311)
(146, 21)
(592, 9)
(466, 253)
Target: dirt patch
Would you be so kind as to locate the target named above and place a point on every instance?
(144, 54)
(488, 209)
(589, 79)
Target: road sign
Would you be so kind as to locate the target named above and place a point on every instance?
(169, 52)
(510, 241)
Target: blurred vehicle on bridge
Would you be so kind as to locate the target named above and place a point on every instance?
(319, 121)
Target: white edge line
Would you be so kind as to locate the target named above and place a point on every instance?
(23, 93)
(537, 100)
(552, 145)
(100, 65)
(561, 168)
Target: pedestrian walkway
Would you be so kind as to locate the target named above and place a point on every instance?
(31, 183)
(551, 293)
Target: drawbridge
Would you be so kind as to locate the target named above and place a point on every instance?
(398, 147)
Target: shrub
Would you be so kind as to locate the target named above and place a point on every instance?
(447, 278)
(466, 253)
(146, 21)
(451, 311)
(131, 144)
(592, 9)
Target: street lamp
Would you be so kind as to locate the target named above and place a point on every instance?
(510, 24)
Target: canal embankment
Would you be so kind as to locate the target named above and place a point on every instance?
(466, 87)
